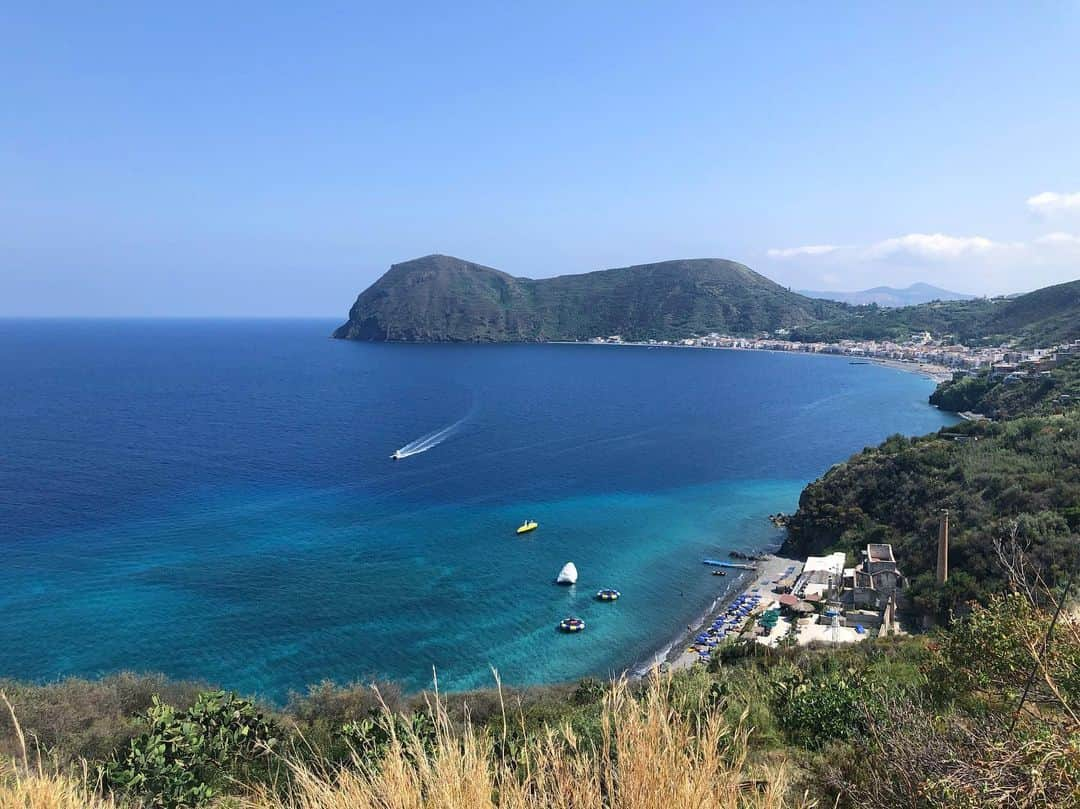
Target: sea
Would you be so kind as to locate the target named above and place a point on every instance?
(216, 500)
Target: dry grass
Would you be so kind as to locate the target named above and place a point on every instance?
(37, 789)
(23, 786)
(651, 757)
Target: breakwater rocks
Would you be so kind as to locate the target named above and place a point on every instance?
(749, 557)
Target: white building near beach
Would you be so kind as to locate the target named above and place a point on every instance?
(822, 576)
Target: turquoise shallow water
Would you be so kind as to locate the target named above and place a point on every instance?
(215, 499)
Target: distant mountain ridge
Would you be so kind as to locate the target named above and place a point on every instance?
(440, 298)
(892, 296)
(1044, 317)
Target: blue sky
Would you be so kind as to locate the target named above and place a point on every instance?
(273, 159)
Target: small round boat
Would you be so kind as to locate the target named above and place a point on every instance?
(608, 595)
(571, 625)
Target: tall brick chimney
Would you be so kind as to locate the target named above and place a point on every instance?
(943, 548)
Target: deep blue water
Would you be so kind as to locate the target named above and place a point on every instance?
(214, 499)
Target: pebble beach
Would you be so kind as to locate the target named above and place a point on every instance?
(760, 584)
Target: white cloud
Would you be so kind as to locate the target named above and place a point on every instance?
(1051, 202)
(1059, 239)
(970, 263)
(805, 250)
(936, 247)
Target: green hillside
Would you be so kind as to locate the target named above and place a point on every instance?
(1044, 317)
(444, 299)
(1048, 315)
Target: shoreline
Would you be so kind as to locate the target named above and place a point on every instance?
(678, 656)
(669, 652)
(935, 373)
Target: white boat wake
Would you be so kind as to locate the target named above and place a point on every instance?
(426, 442)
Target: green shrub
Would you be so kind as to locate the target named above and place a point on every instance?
(182, 757)
(370, 738)
(589, 691)
(813, 712)
(989, 654)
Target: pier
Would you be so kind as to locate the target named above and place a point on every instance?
(734, 565)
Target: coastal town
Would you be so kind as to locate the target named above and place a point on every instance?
(936, 358)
